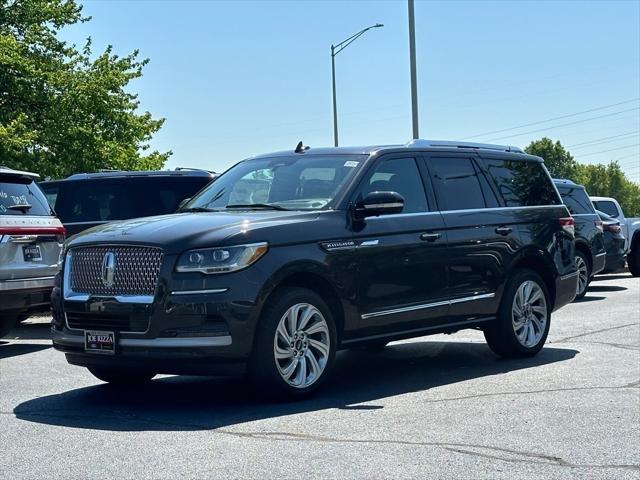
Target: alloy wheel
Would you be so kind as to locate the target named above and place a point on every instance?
(529, 313)
(301, 345)
(583, 274)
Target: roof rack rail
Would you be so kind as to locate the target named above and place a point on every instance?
(195, 169)
(450, 143)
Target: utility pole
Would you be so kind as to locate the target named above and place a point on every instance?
(335, 107)
(414, 77)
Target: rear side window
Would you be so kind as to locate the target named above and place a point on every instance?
(21, 196)
(576, 200)
(104, 200)
(607, 207)
(459, 185)
(521, 184)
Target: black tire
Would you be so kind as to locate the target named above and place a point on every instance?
(120, 376)
(581, 293)
(501, 334)
(7, 323)
(633, 260)
(263, 370)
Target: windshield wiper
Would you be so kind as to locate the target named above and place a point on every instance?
(23, 207)
(257, 205)
(198, 209)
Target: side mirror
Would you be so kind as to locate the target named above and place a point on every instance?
(379, 203)
(183, 203)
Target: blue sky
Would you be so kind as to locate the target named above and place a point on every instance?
(234, 79)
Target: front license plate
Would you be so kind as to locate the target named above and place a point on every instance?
(99, 342)
(31, 253)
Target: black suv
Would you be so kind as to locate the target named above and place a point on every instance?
(288, 257)
(85, 200)
(591, 255)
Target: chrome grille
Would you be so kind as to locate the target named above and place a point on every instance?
(135, 272)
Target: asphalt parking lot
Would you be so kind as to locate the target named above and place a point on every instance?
(441, 406)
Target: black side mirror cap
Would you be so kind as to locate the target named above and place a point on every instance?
(379, 203)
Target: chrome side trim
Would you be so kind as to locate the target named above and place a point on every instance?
(600, 255)
(182, 342)
(427, 305)
(199, 292)
(569, 275)
(369, 243)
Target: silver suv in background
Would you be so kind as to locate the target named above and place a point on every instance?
(31, 238)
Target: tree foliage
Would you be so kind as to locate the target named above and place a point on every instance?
(62, 109)
(599, 180)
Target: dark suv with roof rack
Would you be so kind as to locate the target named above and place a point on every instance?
(85, 200)
(288, 257)
(591, 255)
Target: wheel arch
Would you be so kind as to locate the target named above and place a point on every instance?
(542, 264)
(312, 276)
(583, 247)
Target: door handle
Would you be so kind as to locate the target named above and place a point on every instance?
(504, 230)
(430, 237)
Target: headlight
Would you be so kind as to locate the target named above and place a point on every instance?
(222, 259)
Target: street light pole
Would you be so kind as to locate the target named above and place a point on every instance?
(335, 107)
(414, 76)
(335, 50)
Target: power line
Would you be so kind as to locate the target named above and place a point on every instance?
(610, 150)
(564, 124)
(551, 119)
(601, 140)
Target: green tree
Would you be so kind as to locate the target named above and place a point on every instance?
(559, 161)
(62, 109)
(599, 180)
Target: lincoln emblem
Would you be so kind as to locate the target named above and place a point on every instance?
(108, 269)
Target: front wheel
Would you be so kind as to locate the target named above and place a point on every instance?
(633, 260)
(295, 345)
(524, 317)
(120, 376)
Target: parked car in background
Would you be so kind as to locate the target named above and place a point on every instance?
(31, 238)
(85, 200)
(614, 243)
(630, 229)
(332, 248)
(590, 251)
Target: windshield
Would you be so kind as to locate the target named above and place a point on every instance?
(298, 182)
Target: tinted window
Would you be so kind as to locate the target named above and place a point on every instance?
(400, 175)
(458, 184)
(607, 207)
(21, 196)
(521, 183)
(576, 200)
(103, 200)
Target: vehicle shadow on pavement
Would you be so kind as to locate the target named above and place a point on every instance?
(14, 349)
(204, 403)
(589, 298)
(606, 288)
(30, 331)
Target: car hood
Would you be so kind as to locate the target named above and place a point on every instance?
(181, 231)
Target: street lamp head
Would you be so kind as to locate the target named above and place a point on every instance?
(378, 25)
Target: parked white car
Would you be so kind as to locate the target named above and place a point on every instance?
(630, 230)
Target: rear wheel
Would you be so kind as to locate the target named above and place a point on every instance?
(120, 376)
(633, 260)
(295, 345)
(584, 274)
(524, 317)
